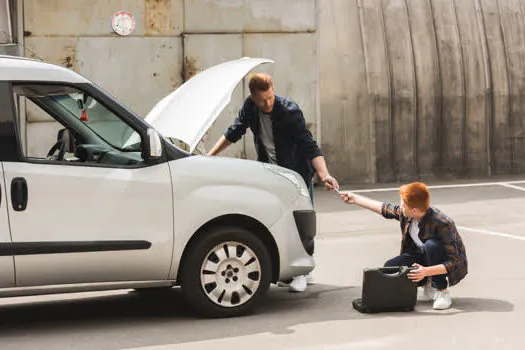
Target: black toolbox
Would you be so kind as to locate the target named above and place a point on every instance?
(387, 289)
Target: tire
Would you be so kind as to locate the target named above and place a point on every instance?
(226, 273)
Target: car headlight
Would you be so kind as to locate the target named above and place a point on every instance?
(291, 176)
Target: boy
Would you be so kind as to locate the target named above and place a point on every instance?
(430, 241)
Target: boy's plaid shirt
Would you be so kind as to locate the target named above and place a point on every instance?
(435, 225)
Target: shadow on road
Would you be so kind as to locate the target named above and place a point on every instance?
(161, 317)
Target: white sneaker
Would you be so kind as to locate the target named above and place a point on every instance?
(430, 292)
(309, 281)
(298, 284)
(310, 278)
(443, 300)
(426, 293)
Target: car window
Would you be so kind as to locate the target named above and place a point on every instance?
(98, 118)
(61, 123)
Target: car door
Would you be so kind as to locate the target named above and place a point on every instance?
(7, 271)
(7, 152)
(75, 221)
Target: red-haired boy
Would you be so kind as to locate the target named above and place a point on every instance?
(430, 241)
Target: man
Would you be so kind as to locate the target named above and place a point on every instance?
(281, 138)
(430, 241)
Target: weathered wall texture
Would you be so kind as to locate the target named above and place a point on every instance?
(422, 88)
(175, 39)
(9, 29)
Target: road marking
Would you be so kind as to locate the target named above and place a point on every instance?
(492, 233)
(330, 238)
(480, 184)
(512, 186)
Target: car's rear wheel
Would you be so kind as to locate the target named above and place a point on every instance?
(226, 273)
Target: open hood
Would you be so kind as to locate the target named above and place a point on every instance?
(187, 113)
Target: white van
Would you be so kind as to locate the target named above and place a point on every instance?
(112, 204)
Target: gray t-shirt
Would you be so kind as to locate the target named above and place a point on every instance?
(266, 135)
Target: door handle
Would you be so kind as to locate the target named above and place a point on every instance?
(19, 193)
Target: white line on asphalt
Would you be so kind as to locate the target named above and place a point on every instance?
(480, 184)
(514, 187)
(379, 237)
(492, 233)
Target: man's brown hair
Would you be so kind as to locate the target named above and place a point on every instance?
(260, 82)
(415, 195)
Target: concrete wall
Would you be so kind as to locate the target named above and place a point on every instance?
(9, 29)
(5, 24)
(175, 39)
(422, 88)
(404, 89)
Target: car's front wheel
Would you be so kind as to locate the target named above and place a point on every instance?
(226, 273)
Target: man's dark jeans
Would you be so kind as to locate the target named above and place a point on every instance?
(433, 254)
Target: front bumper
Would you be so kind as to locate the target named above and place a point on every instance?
(294, 234)
(305, 221)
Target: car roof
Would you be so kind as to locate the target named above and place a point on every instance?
(14, 68)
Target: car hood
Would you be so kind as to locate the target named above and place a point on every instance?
(188, 112)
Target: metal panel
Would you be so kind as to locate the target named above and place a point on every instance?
(164, 17)
(378, 78)
(476, 87)
(500, 139)
(59, 50)
(295, 75)
(452, 88)
(5, 23)
(204, 51)
(233, 16)
(93, 17)
(428, 86)
(138, 71)
(469, 85)
(345, 114)
(513, 27)
(404, 126)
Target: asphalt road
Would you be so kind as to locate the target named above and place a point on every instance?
(488, 309)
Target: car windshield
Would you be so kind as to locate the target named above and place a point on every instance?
(98, 118)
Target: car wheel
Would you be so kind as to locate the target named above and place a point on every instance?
(226, 273)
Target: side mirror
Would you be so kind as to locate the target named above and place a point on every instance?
(153, 145)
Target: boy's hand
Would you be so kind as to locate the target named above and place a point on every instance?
(417, 275)
(348, 198)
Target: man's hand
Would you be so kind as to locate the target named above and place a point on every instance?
(220, 146)
(322, 171)
(419, 274)
(330, 183)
